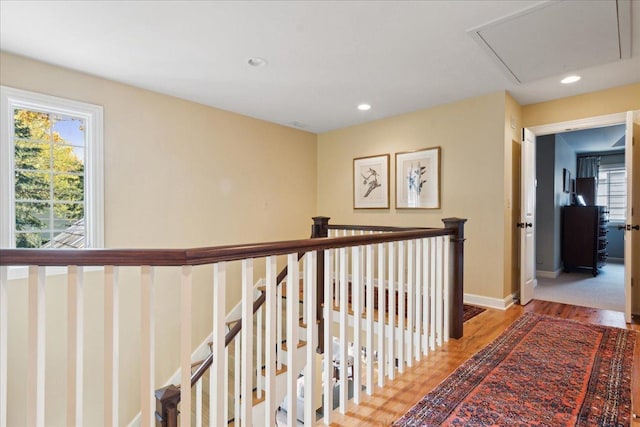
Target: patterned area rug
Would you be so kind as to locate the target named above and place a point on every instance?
(541, 371)
(470, 311)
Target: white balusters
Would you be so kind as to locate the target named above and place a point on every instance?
(147, 341)
(425, 296)
(381, 316)
(246, 373)
(198, 405)
(185, 345)
(36, 373)
(446, 285)
(271, 313)
(439, 286)
(412, 279)
(369, 317)
(293, 314)
(417, 336)
(328, 335)
(356, 300)
(279, 319)
(4, 377)
(75, 345)
(310, 369)
(401, 307)
(342, 357)
(392, 311)
(432, 294)
(111, 345)
(410, 307)
(259, 349)
(218, 405)
(236, 378)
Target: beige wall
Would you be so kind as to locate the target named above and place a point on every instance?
(471, 134)
(177, 174)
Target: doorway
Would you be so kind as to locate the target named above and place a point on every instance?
(570, 282)
(580, 259)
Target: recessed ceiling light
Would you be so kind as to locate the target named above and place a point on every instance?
(364, 107)
(570, 79)
(257, 62)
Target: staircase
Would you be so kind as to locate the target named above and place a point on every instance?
(200, 395)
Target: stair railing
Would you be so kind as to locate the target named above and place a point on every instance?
(354, 268)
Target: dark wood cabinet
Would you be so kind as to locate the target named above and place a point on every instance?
(584, 237)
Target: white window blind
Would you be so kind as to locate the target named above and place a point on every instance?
(612, 191)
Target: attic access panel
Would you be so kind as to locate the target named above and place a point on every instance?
(553, 38)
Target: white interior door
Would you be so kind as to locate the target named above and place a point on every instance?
(632, 232)
(527, 217)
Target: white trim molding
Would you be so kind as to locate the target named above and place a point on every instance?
(590, 122)
(548, 274)
(489, 302)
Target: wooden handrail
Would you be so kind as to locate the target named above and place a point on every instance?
(381, 228)
(200, 256)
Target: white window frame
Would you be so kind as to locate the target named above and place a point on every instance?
(10, 99)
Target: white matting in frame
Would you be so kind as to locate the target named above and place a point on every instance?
(418, 179)
(371, 182)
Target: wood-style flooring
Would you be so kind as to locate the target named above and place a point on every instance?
(388, 404)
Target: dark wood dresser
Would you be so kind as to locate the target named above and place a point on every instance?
(584, 237)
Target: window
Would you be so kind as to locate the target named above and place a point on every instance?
(612, 191)
(51, 172)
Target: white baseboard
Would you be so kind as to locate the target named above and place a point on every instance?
(548, 274)
(615, 260)
(488, 302)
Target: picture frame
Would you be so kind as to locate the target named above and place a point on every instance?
(371, 182)
(418, 179)
(566, 180)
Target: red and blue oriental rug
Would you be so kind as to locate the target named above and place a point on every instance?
(471, 311)
(541, 371)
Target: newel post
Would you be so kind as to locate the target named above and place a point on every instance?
(167, 399)
(457, 278)
(320, 229)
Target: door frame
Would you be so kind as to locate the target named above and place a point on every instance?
(579, 124)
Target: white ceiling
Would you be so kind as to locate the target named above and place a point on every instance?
(326, 57)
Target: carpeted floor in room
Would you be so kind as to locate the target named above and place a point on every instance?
(605, 291)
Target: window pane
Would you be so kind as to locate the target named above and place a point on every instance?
(32, 125)
(32, 216)
(67, 158)
(32, 240)
(31, 155)
(68, 188)
(68, 212)
(69, 129)
(71, 238)
(32, 185)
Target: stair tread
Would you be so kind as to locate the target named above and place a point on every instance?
(280, 371)
(197, 363)
(257, 399)
(301, 344)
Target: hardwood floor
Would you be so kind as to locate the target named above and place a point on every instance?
(388, 404)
